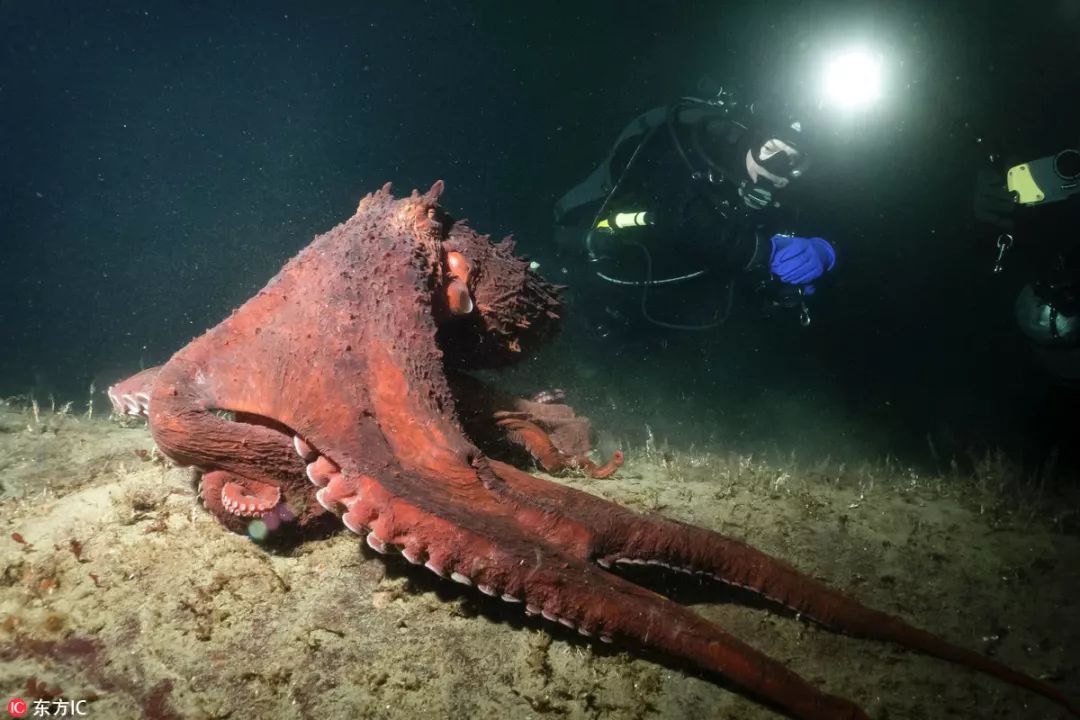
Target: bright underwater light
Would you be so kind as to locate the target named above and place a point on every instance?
(852, 80)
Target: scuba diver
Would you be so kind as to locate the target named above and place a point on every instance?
(1039, 203)
(685, 215)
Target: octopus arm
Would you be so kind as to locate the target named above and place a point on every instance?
(514, 549)
(622, 536)
(539, 444)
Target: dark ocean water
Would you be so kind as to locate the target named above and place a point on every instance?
(162, 160)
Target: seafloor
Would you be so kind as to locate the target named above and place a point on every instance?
(116, 586)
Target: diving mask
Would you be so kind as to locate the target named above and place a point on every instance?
(775, 161)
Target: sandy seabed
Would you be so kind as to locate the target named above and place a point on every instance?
(117, 587)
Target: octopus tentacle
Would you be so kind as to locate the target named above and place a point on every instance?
(251, 464)
(625, 537)
(501, 558)
(228, 492)
(533, 438)
(698, 551)
(132, 396)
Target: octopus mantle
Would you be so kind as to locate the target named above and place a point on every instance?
(337, 392)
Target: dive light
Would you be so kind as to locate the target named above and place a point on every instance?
(624, 220)
(852, 80)
(1046, 180)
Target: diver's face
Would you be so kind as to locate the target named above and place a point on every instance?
(774, 152)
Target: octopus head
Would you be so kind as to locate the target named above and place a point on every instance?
(494, 307)
(490, 306)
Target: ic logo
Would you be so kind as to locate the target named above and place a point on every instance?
(16, 707)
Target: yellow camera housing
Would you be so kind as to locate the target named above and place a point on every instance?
(1047, 179)
(1022, 183)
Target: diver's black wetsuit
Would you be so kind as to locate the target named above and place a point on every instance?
(703, 232)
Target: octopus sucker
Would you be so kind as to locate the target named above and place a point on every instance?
(321, 497)
(413, 556)
(132, 396)
(339, 491)
(305, 451)
(461, 579)
(239, 499)
(320, 470)
(352, 525)
(376, 543)
(358, 519)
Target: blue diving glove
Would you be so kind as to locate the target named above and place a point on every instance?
(798, 261)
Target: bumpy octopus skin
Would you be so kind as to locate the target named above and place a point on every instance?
(333, 382)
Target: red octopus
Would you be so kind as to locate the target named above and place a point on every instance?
(338, 390)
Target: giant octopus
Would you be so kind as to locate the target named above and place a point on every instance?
(340, 390)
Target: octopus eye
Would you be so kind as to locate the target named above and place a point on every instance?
(457, 266)
(458, 298)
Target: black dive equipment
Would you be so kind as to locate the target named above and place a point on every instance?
(1046, 180)
(1048, 312)
(712, 148)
